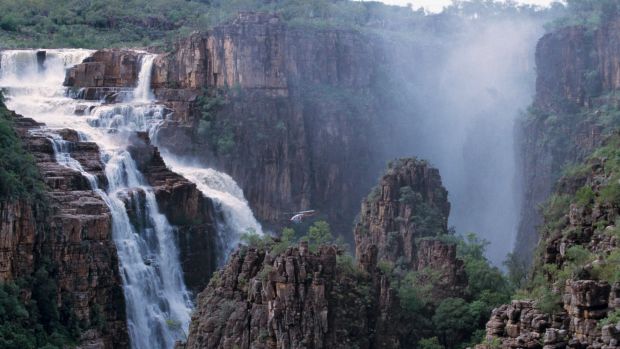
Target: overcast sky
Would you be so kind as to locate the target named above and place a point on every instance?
(437, 5)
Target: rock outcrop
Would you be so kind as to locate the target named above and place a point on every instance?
(186, 208)
(585, 302)
(296, 299)
(409, 203)
(106, 68)
(70, 235)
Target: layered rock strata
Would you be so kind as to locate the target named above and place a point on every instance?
(71, 233)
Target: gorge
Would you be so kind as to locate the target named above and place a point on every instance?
(147, 190)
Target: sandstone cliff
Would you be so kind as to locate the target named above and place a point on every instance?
(186, 208)
(297, 299)
(576, 280)
(577, 76)
(409, 203)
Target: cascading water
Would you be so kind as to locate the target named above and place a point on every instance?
(142, 114)
(158, 303)
(142, 92)
(228, 198)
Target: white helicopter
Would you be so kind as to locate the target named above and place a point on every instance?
(298, 217)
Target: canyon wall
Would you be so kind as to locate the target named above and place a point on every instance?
(578, 71)
(574, 293)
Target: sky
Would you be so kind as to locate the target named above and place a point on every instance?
(437, 5)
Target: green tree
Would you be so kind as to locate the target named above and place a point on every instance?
(454, 321)
(319, 233)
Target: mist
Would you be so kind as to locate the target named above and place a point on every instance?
(463, 89)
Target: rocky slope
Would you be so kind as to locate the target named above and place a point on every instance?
(287, 112)
(297, 299)
(574, 108)
(274, 294)
(576, 282)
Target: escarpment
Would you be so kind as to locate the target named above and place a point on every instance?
(68, 238)
(288, 113)
(572, 112)
(574, 292)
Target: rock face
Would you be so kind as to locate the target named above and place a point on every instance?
(72, 232)
(585, 302)
(186, 208)
(409, 203)
(297, 299)
(297, 117)
(577, 70)
(105, 68)
(576, 266)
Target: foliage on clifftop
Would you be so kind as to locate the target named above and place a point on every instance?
(19, 176)
(107, 23)
(588, 13)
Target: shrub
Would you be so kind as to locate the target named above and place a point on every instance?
(319, 233)
(612, 318)
(610, 194)
(549, 302)
(430, 343)
(584, 196)
(19, 175)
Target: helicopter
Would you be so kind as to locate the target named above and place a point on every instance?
(299, 216)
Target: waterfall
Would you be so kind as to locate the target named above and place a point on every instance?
(157, 302)
(143, 92)
(228, 198)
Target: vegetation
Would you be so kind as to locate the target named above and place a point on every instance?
(37, 322)
(455, 322)
(589, 13)
(217, 130)
(19, 176)
(319, 233)
(428, 219)
(107, 23)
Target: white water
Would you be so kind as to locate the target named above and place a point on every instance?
(227, 197)
(144, 115)
(157, 301)
(143, 92)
